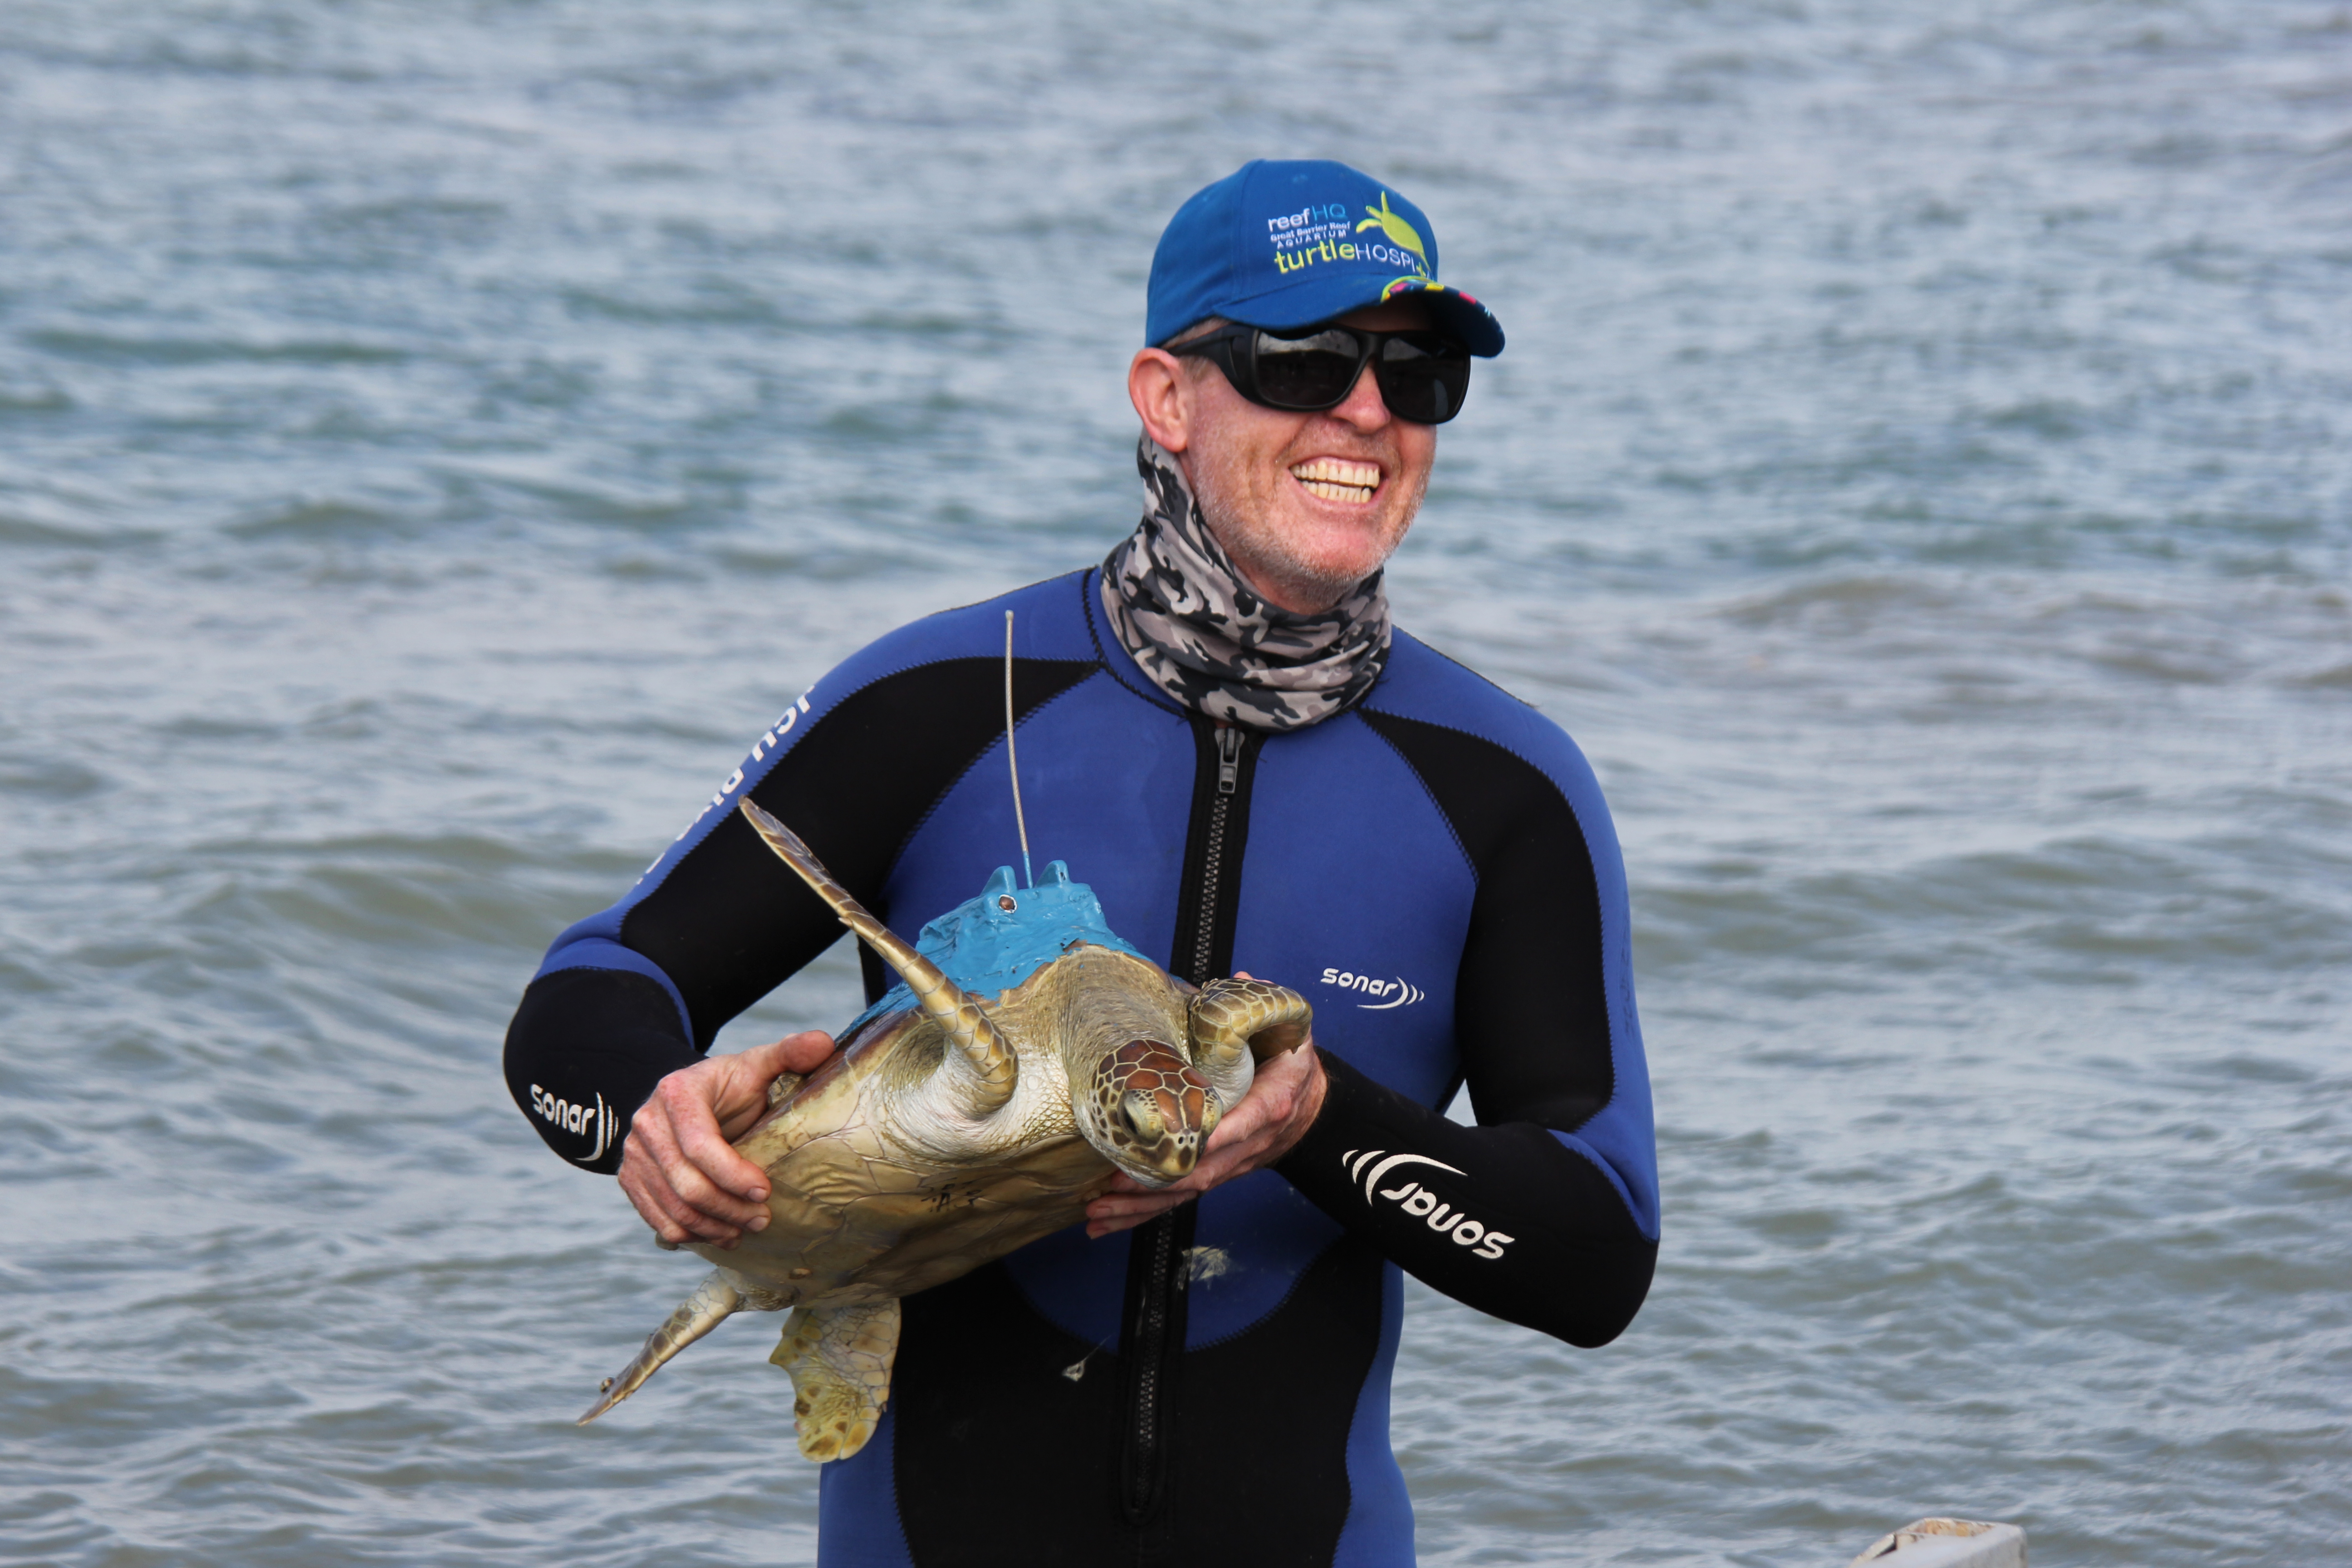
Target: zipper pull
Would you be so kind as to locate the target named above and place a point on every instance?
(1229, 758)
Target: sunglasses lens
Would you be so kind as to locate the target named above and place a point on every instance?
(1422, 378)
(1312, 371)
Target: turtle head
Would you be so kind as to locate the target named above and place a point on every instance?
(1148, 1111)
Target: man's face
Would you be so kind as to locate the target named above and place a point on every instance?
(1308, 505)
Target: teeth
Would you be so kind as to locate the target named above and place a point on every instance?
(1335, 479)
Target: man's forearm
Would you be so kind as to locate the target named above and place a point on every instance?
(586, 1049)
(1503, 1219)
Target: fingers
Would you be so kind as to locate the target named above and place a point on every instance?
(802, 1052)
(676, 1167)
(679, 1169)
(710, 1174)
(1108, 1216)
(1283, 1102)
(737, 1087)
(1128, 1204)
(673, 1219)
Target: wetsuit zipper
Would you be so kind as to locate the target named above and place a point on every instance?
(1229, 769)
(1159, 1268)
(1154, 1340)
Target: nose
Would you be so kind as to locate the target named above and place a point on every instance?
(1363, 408)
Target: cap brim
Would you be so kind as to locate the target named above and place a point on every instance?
(1320, 299)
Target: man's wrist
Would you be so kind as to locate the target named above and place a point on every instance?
(1314, 1092)
(1337, 1087)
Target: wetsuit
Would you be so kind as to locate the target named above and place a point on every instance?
(1434, 869)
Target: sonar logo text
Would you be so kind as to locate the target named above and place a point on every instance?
(1369, 1167)
(1384, 994)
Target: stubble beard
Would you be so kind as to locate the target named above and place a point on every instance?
(1269, 560)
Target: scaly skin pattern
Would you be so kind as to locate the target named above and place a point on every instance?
(713, 1303)
(1237, 1024)
(840, 1360)
(1158, 1111)
(1256, 1015)
(967, 1024)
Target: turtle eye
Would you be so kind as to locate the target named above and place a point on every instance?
(1140, 1111)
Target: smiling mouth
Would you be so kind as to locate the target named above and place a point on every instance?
(1334, 479)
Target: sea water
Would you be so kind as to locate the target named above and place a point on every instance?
(434, 439)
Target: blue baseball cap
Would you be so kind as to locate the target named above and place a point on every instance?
(1284, 244)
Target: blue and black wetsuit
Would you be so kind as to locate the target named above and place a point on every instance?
(1434, 869)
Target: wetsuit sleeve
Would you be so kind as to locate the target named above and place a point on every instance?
(1546, 1213)
(643, 988)
(1503, 1218)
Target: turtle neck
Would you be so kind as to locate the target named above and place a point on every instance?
(1210, 641)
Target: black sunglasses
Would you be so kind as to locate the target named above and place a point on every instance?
(1423, 375)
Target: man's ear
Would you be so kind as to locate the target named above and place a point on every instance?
(1162, 395)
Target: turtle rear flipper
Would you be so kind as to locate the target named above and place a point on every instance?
(713, 1303)
(840, 1361)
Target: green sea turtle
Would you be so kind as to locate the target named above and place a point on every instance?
(1029, 1055)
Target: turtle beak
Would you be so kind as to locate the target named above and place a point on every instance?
(1157, 1111)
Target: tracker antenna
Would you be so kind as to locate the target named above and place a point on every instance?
(1013, 761)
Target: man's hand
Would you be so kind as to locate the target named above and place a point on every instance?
(1281, 1105)
(676, 1166)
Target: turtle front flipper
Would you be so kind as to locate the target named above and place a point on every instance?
(1236, 1024)
(991, 1066)
(840, 1360)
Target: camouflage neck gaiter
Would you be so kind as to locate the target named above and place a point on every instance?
(1206, 639)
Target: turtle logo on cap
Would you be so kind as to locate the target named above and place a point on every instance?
(1393, 225)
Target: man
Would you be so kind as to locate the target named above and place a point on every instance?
(1223, 735)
